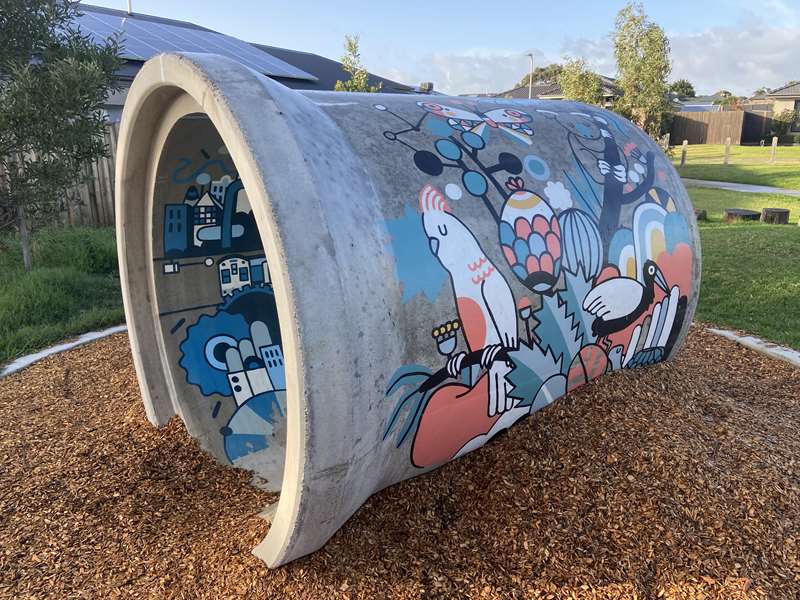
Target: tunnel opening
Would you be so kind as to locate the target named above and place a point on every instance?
(215, 303)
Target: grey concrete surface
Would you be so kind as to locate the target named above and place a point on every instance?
(741, 187)
(341, 291)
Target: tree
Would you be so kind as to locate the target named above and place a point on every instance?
(730, 102)
(641, 49)
(53, 82)
(546, 74)
(351, 62)
(783, 121)
(683, 88)
(762, 91)
(579, 83)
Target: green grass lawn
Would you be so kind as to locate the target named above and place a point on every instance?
(751, 271)
(73, 288)
(748, 164)
(716, 201)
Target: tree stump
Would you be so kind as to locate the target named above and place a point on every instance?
(776, 216)
(741, 214)
(701, 215)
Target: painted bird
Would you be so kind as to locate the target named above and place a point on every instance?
(619, 301)
(484, 300)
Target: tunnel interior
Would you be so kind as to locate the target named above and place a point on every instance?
(216, 303)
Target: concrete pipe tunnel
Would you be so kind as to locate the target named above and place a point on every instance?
(340, 291)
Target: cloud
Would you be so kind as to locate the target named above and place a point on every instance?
(740, 59)
(469, 71)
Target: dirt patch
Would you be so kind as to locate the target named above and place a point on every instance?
(677, 481)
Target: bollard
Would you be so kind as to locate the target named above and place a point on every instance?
(727, 159)
(774, 149)
(340, 291)
(684, 149)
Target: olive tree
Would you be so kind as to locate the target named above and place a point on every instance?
(53, 82)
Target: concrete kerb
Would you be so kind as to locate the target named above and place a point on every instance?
(772, 350)
(24, 362)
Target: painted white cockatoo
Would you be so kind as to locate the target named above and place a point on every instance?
(484, 301)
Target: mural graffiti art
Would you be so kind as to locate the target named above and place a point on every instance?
(609, 296)
(340, 291)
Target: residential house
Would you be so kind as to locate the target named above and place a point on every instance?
(700, 104)
(144, 36)
(552, 91)
(787, 98)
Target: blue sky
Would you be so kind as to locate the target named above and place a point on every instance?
(481, 46)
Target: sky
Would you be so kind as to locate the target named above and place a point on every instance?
(476, 47)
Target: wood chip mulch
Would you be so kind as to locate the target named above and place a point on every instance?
(677, 481)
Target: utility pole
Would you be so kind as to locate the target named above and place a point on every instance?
(530, 78)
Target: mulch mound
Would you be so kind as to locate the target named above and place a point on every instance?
(676, 481)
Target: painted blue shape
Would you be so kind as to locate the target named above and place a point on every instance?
(193, 360)
(581, 241)
(536, 167)
(262, 405)
(473, 140)
(676, 230)
(272, 356)
(448, 149)
(583, 130)
(475, 183)
(520, 271)
(622, 238)
(438, 126)
(521, 250)
(177, 227)
(507, 234)
(239, 445)
(417, 269)
(536, 244)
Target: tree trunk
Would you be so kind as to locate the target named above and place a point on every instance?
(24, 238)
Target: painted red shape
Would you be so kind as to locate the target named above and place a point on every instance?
(532, 264)
(522, 228)
(454, 415)
(553, 245)
(540, 225)
(473, 322)
(546, 263)
(555, 226)
(509, 254)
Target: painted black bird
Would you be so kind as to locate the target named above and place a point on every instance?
(619, 301)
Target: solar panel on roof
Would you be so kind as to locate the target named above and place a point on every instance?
(142, 39)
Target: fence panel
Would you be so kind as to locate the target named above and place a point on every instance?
(708, 127)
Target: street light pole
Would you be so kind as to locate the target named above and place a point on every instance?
(530, 78)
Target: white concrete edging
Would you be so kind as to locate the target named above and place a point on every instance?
(26, 361)
(783, 353)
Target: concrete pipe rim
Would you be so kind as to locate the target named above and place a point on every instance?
(167, 88)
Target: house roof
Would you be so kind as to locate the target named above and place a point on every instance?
(790, 89)
(326, 70)
(553, 90)
(144, 36)
(147, 35)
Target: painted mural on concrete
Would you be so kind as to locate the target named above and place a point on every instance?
(230, 349)
(599, 248)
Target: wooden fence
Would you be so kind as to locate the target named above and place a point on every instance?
(93, 202)
(708, 127)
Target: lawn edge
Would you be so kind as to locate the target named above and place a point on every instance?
(23, 362)
(771, 349)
